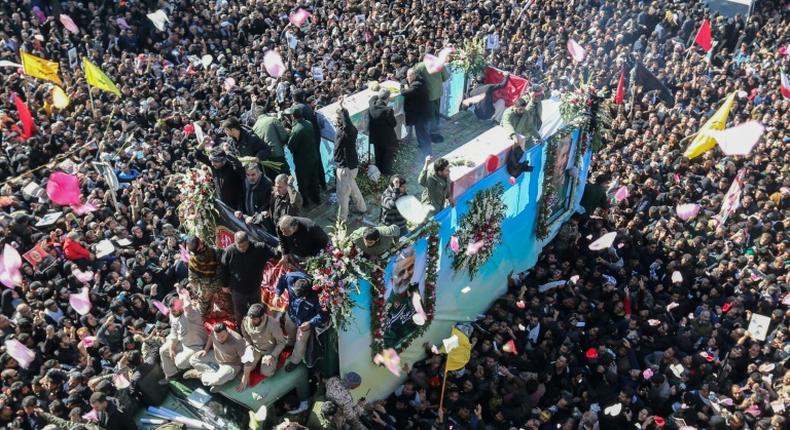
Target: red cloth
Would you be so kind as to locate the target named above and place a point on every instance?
(627, 305)
(704, 37)
(513, 89)
(620, 95)
(24, 116)
(74, 251)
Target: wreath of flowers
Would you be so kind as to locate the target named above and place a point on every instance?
(588, 110)
(482, 225)
(197, 210)
(334, 272)
(379, 308)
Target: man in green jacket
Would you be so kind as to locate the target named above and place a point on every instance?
(270, 129)
(437, 183)
(435, 84)
(522, 121)
(306, 162)
(375, 241)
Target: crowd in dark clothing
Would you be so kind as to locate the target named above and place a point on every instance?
(649, 334)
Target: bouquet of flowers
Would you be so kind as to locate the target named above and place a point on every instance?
(197, 211)
(480, 230)
(471, 57)
(334, 272)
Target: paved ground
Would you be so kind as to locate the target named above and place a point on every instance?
(457, 130)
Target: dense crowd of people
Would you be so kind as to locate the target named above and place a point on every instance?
(651, 333)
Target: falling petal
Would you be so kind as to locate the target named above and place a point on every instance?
(454, 244)
(19, 352)
(81, 302)
(161, 307)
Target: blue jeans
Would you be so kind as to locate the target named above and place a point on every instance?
(423, 137)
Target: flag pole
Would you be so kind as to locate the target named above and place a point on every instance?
(444, 384)
(90, 94)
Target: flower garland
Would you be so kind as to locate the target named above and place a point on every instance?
(480, 230)
(197, 210)
(379, 307)
(334, 272)
(588, 110)
(544, 210)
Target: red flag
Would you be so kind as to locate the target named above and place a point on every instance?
(24, 116)
(785, 85)
(513, 89)
(620, 95)
(510, 347)
(704, 38)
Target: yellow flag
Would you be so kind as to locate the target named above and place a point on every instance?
(38, 67)
(702, 141)
(94, 76)
(458, 356)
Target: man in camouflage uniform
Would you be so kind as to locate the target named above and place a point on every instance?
(337, 391)
(205, 276)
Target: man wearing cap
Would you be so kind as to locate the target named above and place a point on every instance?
(381, 131)
(337, 391)
(187, 336)
(220, 359)
(307, 163)
(304, 313)
(265, 342)
(205, 275)
(248, 144)
(227, 173)
(376, 241)
(243, 264)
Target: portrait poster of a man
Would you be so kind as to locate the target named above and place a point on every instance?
(404, 280)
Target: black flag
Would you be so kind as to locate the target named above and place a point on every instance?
(641, 76)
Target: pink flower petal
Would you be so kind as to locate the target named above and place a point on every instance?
(161, 307)
(184, 253)
(621, 194)
(687, 211)
(273, 63)
(19, 352)
(577, 52)
(81, 302)
(474, 248)
(63, 189)
(454, 244)
(432, 63)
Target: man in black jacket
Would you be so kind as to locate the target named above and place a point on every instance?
(257, 191)
(481, 101)
(228, 175)
(248, 144)
(418, 109)
(381, 129)
(300, 237)
(243, 268)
